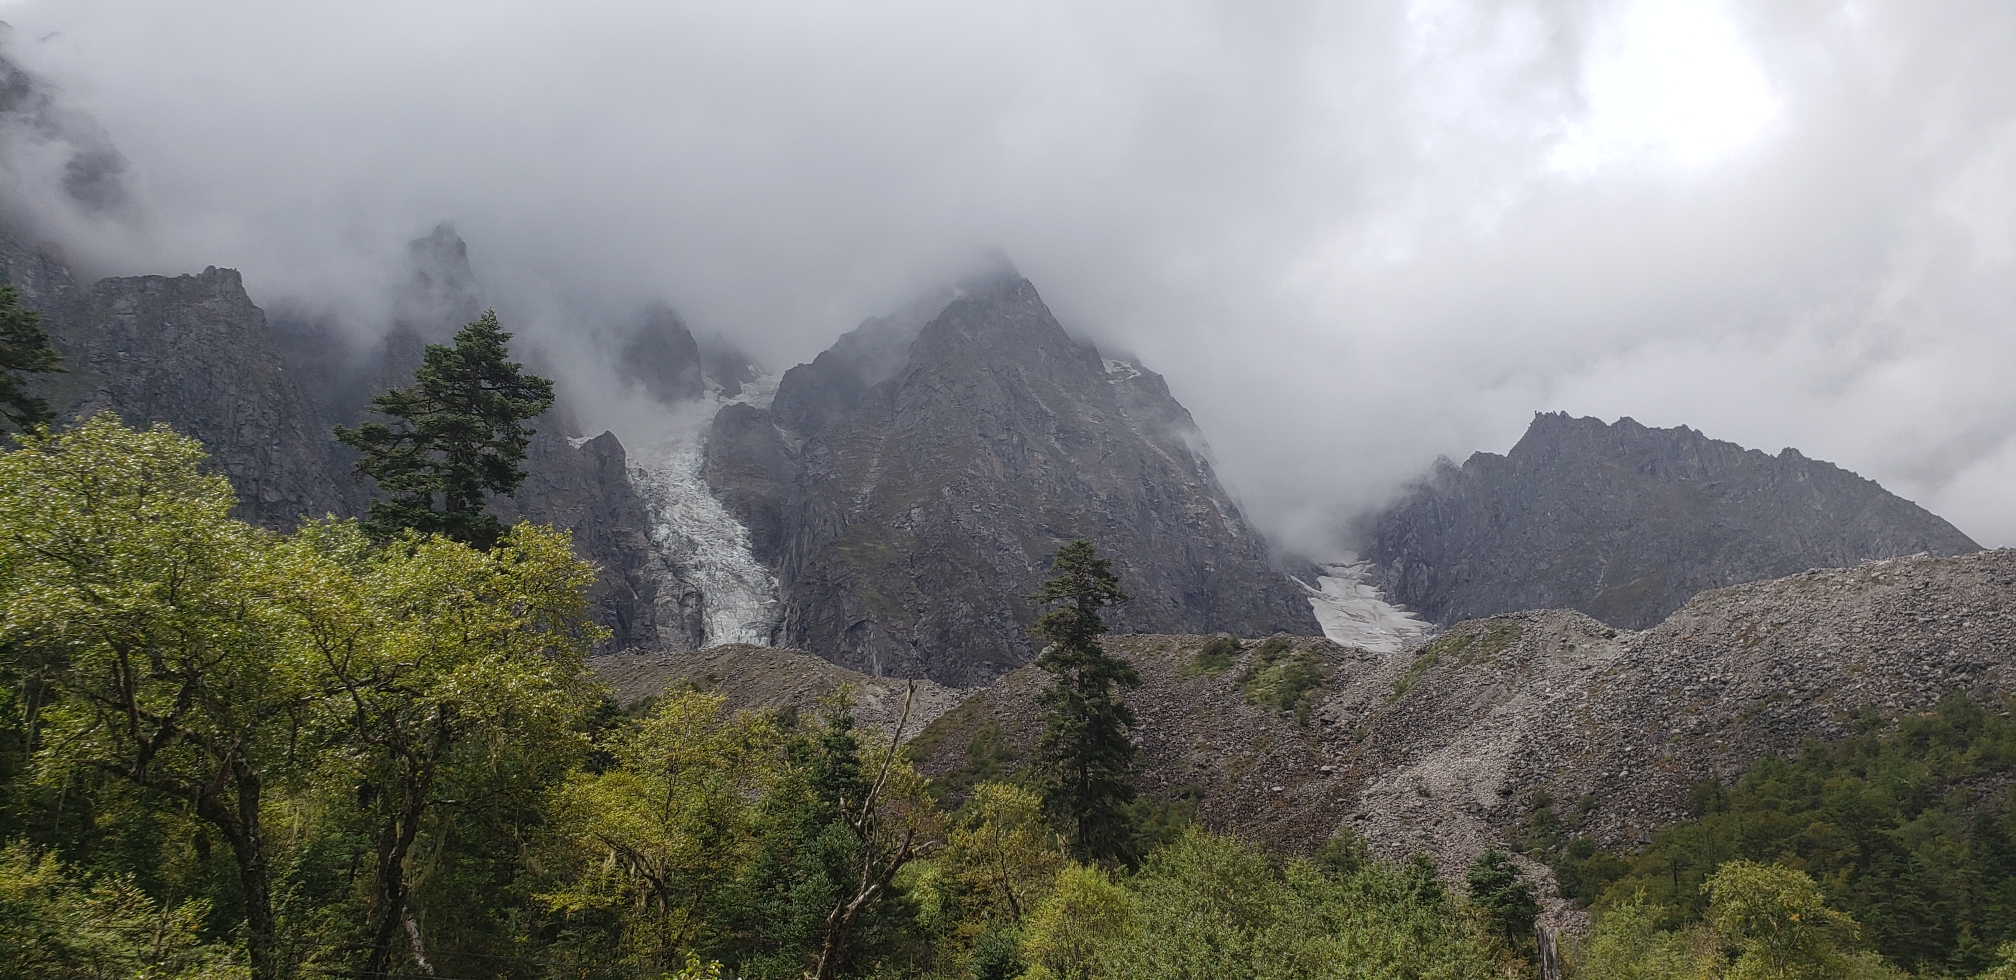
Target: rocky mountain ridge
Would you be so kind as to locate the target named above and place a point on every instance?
(1625, 523)
(910, 483)
(196, 353)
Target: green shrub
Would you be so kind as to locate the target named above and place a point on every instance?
(1283, 676)
(1214, 658)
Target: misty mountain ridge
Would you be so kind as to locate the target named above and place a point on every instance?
(909, 484)
(1625, 523)
(889, 506)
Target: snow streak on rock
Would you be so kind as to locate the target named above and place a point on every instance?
(701, 544)
(1354, 612)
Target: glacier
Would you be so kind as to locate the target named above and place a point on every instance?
(699, 543)
(1353, 612)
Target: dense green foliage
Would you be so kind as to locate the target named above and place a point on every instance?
(1084, 758)
(231, 754)
(457, 434)
(1500, 890)
(1761, 922)
(1908, 826)
(24, 350)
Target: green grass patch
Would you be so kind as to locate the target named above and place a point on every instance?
(1468, 643)
(1213, 658)
(1284, 677)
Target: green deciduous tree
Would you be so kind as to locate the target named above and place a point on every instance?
(457, 435)
(657, 840)
(1084, 757)
(24, 349)
(54, 925)
(1778, 921)
(456, 675)
(119, 558)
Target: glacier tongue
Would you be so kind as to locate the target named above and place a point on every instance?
(1353, 612)
(699, 542)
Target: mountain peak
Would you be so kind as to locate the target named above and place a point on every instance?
(440, 293)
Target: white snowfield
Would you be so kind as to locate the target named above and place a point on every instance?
(1353, 612)
(696, 539)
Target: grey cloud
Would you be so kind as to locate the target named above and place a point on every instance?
(1341, 231)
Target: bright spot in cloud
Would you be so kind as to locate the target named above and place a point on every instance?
(1669, 80)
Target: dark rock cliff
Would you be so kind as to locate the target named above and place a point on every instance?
(196, 353)
(910, 484)
(660, 356)
(1626, 523)
(191, 351)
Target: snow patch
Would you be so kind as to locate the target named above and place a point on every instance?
(1120, 370)
(1353, 612)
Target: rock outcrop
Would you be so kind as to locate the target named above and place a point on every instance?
(910, 484)
(1625, 523)
(195, 353)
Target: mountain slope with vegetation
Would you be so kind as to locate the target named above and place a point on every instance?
(1445, 748)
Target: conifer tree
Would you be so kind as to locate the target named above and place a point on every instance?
(1084, 756)
(1497, 886)
(457, 435)
(24, 348)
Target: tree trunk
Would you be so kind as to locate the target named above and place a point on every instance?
(388, 886)
(248, 848)
(389, 891)
(1550, 956)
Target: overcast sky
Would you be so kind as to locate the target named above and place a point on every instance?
(1352, 235)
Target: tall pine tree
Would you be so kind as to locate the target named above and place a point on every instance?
(24, 349)
(1084, 756)
(457, 435)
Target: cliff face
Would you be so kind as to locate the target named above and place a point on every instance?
(576, 484)
(910, 485)
(1625, 523)
(194, 352)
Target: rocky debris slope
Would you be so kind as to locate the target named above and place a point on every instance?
(1440, 749)
(755, 677)
(1625, 523)
(909, 485)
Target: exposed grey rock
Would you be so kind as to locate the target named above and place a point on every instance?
(911, 483)
(660, 356)
(585, 489)
(725, 366)
(94, 178)
(1625, 523)
(194, 352)
(191, 351)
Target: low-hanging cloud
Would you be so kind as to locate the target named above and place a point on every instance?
(1353, 236)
